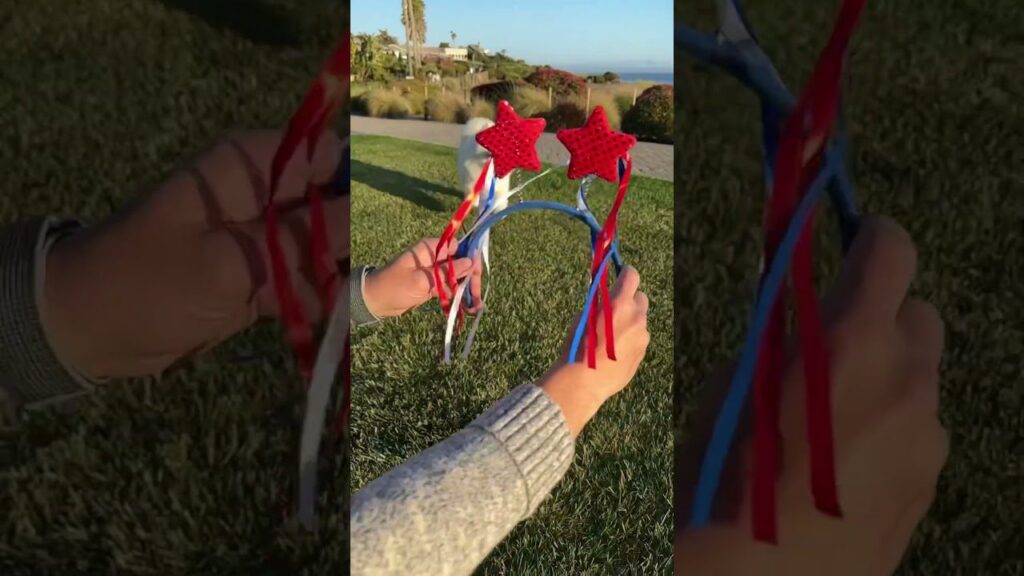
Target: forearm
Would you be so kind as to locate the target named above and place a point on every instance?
(444, 510)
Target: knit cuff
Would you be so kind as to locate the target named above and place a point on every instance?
(31, 374)
(534, 431)
(361, 315)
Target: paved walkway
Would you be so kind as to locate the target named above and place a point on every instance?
(651, 160)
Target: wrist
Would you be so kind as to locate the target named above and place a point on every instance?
(64, 318)
(372, 290)
(566, 385)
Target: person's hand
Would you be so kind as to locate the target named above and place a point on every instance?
(186, 266)
(408, 281)
(581, 391)
(885, 350)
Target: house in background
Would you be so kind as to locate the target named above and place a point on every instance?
(443, 52)
(457, 53)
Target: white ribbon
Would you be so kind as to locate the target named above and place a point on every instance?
(485, 249)
(476, 324)
(328, 359)
(453, 313)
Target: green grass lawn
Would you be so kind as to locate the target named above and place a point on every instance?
(936, 112)
(101, 100)
(613, 509)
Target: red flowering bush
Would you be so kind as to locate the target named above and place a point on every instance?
(562, 83)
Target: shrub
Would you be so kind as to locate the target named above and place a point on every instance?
(529, 101)
(561, 82)
(416, 101)
(611, 110)
(359, 104)
(565, 114)
(623, 102)
(381, 103)
(496, 91)
(447, 108)
(650, 119)
(481, 108)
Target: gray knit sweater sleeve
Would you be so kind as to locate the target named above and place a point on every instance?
(360, 314)
(444, 510)
(31, 374)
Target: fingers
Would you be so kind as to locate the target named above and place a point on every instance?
(463, 267)
(876, 274)
(424, 250)
(924, 333)
(231, 182)
(294, 233)
(475, 283)
(642, 303)
(917, 495)
(626, 284)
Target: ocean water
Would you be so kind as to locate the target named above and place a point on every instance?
(659, 77)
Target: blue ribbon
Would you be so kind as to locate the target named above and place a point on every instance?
(748, 64)
(577, 337)
(490, 197)
(739, 387)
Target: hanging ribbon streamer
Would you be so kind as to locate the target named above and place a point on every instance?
(795, 175)
(318, 368)
(333, 347)
(449, 233)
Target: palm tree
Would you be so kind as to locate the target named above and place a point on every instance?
(453, 35)
(366, 56)
(415, 21)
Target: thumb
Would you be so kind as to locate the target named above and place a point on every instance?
(463, 267)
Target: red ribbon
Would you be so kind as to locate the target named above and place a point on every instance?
(819, 106)
(602, 245)
(307, 124)
(446, 238)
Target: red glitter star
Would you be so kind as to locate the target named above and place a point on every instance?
(595, 148)
(512, 141)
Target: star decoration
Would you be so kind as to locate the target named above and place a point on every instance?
(512, 141)
(595, 148)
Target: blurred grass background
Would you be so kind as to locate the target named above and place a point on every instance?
(936, 115)
(611, 514)
(99, 101)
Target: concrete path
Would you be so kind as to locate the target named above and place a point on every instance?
(651, 160)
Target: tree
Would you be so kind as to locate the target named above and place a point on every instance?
(443, 45)
(366, 64)
(611, 77)
(453, 35)
(385, 38)
(415, 21)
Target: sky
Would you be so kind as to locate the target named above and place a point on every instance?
(583, 36)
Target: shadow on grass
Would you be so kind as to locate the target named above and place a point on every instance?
(401, 185)
(255, 20)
